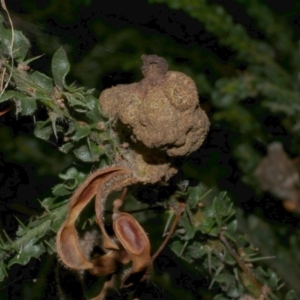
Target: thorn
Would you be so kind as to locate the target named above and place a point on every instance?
(2, 244)
(45, 207)
(3, 267)
(7, 237)
(183, 248)
(50, 246)
(20, 223)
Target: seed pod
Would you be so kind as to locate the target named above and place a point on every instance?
(67, 244)
(136, 243)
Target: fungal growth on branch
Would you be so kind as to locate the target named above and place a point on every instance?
(160, 116)
(158, 119)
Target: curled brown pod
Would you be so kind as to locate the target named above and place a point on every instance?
(67, 243)
(136, 243)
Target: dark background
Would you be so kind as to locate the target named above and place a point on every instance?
(104, 42)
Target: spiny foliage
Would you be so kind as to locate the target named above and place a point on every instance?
(207, 239)
(73, 112)
(73, 116)
(268, 79)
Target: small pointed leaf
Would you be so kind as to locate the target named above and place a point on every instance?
(61, 190)
(66, 147)
(88, 153)
(60, 68)
(196, 194)
(176, 247)
(42, 81)
(27, 105)
(20, 44)
(43, 130)
(10, 94)
(81, 132)
(34, 249)
(94, 114)
(291, 295)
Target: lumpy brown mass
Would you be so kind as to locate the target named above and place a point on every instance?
(162, 110)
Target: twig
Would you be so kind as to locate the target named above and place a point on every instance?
(2, 79)
(239, 261)
(178, 213)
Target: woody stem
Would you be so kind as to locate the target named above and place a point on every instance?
(178, 213)
(239, 261)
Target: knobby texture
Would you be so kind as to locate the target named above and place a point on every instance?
(159, 116)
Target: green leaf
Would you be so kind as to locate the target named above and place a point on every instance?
(189, 229)
(291, 295)
(42, 81)
(195, 195)
(52, 203)
(232, 226)
(234, 292)
(224, 278)
(177, 247)
(43, 130)
(197, 250)
(66, 147)
(72, 177)
(11, 94)
(27, 105)
(47, 203)
(33, 249)
(222, 206)
(81, 131)
(20, 44)
(208, 221)
(273, 280)
(69, 174)
(215, 231)
(76, 101)
(88, 152)
(61, 190)
(94, 114)
(60, 68)
(229, 259)
(53, 118)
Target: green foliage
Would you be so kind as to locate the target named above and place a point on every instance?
(200, 242)
(20, 42)
(259, 81)
(38, 236)
(72, 111)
